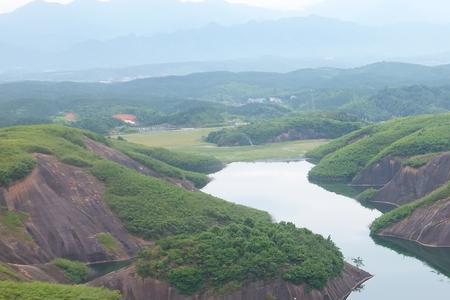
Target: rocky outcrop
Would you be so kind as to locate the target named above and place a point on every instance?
(44, 272)
(111, 154)
(134, 287)
(63, 213)
(428, 226)
(379, 173)
(410, 184)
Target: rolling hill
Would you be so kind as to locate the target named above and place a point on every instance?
(69, 197)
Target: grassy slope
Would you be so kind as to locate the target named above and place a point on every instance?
(155, 209)
(417, 139)
(145, 204)
(191, 142)
(46, 291)
(344, 158)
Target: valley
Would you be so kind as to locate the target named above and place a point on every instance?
(398, 274)
(71, 198)
(224, 150)
(192, 140)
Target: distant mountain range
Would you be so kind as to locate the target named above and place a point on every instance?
(49, 26)
(89, 34)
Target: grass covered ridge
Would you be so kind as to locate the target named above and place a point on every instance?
(46, 291)
(344, 158)
(19, 143)
(152, 208)
(210, 235)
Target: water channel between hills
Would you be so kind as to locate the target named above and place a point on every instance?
(284, 191)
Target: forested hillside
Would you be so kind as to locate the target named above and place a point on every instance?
(289, 128)
(123, 200)
(403, 164)
(373, 93)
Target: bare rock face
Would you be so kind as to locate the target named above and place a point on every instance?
(122, 159)
(379, 174)
(410, 184)
(429, 226)
(44, 272)
(63, 214)
(133, 287)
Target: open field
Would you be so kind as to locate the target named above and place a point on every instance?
(191, 141)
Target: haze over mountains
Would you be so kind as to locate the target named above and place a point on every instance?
(198, 36)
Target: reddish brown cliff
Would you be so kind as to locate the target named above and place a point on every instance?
(379, 173)
(63, 213)
(429, 226)
(134, 287)
(410, 184)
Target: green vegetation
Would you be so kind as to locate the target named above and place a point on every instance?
(217, 97)
(152, 208)
(192, 142)
(75, 161)
(406, 210)
(415, 140)
(47, 291)
(192, 162)
(12, 224)
(367, 195)
(405, 137)
(419, 161)
(18, 144)
(235, 254)
(166, 163)
(76, 271)
(13, 221)
(109, 243)
(292, 127)
(202, 241)
(6, 273)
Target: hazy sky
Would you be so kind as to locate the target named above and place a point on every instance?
(8, 5)
(363, 11)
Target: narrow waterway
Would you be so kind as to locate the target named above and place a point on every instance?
(284, 191)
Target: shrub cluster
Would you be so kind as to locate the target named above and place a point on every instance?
(344, 158)
(238, 253)
(293, 127)
(76, 271)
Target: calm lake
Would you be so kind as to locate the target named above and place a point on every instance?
(284, 191)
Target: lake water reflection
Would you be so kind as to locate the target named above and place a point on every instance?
(284, 191)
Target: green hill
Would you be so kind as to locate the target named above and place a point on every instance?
(346, 157)
(374, 93)
(412, 141)
(192, 234)
(292, 127)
